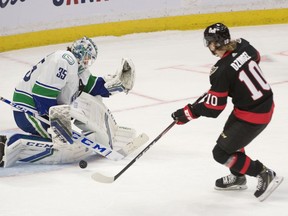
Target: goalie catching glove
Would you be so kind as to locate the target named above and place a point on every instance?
(123, 79)
(182, 116)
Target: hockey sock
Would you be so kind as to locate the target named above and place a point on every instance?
(244, 165)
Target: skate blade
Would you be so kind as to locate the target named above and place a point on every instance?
(232, 188)
(272, 186)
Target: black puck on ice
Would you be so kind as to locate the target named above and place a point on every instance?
(83, 164)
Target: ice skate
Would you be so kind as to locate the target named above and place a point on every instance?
(267, 183)
(231, 182)
(2, 148)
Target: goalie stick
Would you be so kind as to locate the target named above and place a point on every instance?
(110, 179)
(79, 138)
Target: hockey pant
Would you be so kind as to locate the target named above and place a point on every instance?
(229, 149)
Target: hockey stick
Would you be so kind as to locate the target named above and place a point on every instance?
(79, 138)
(106, 179)
(20, 108)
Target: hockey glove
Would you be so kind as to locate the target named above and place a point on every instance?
(182, 116)
(123, 79)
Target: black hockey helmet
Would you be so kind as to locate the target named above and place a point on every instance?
(218, 33)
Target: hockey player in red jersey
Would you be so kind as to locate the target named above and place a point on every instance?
(237, 75)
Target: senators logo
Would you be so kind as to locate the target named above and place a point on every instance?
(75, 2)
(4, 3)
(213, 70)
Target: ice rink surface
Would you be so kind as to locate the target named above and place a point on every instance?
(177, 175)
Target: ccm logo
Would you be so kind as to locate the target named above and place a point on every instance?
(88, 142)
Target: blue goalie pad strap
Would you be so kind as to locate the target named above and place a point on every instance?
(47, 152)
(61, 131)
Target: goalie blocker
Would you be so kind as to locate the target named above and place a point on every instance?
(99, 134)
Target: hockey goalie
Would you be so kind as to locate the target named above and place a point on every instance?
(61, 111)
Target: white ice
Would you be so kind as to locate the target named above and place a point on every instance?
(177, 175)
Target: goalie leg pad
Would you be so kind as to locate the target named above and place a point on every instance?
(99, 125)
(92, 115)
(62, 156)
(33, 149)
(17, 143)
(61, 129)
(123, 135)
(134, 144)
(2, 149)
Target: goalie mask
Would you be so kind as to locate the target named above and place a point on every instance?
(217, 33)
(85, 51)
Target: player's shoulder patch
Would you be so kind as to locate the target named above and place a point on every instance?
(213, 70)
(68, 58)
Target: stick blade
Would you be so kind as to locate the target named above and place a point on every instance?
(102, 178)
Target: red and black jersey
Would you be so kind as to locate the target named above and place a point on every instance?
(238, 75)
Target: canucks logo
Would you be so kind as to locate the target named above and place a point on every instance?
(68, 58)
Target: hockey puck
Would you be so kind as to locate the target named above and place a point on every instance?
(83, 164)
